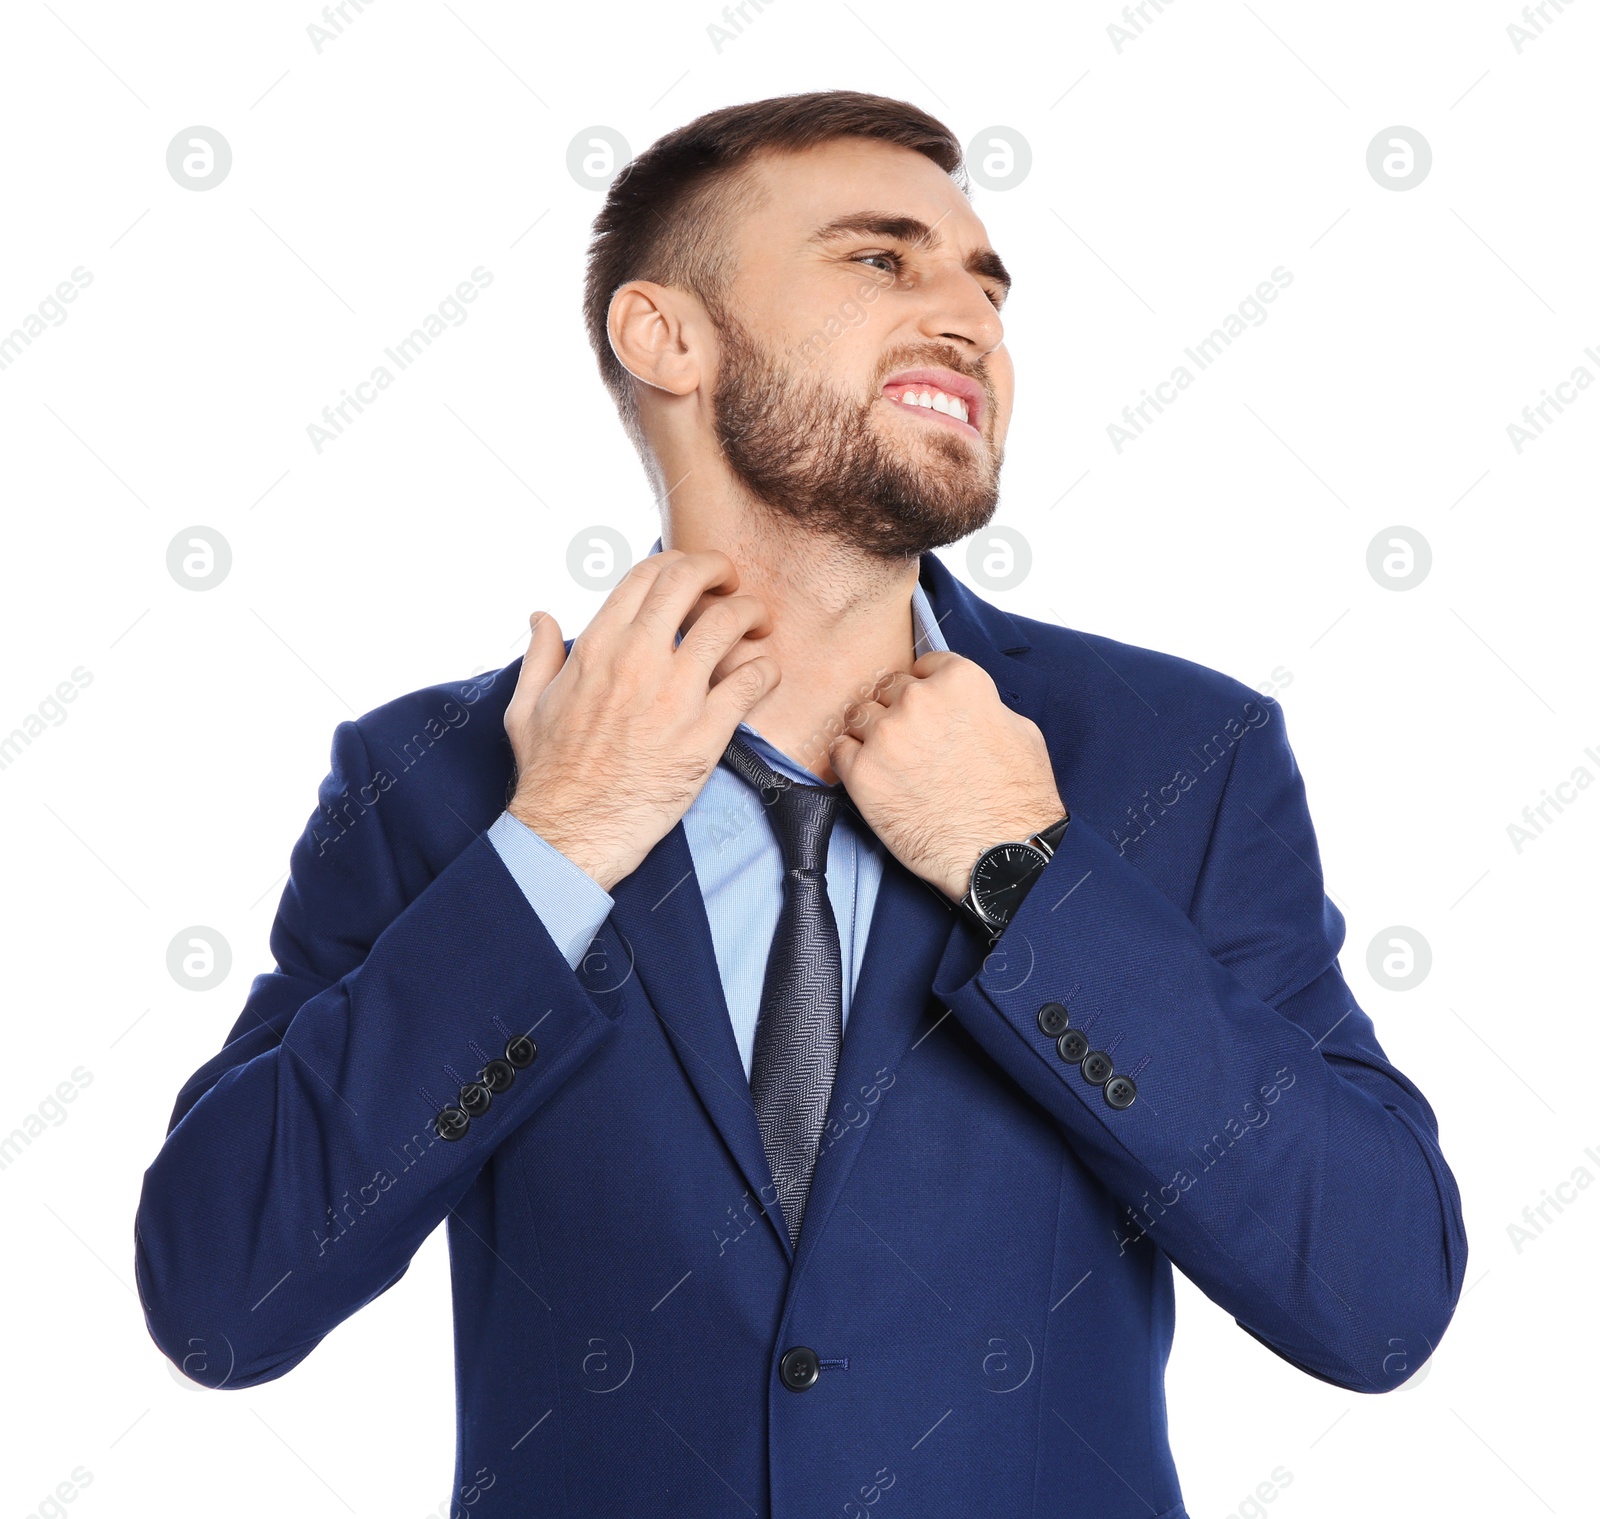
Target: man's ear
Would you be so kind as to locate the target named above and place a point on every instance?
(655, 333)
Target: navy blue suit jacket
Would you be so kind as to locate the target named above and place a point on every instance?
(985, 1269)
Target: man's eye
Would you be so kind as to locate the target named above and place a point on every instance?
(895, 262)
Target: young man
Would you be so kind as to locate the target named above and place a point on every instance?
(823, 1005)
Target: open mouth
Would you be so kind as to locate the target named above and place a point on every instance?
(943, 396)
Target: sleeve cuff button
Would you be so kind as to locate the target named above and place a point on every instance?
(451, 1123)
(1120, 1091)
(1073, 1045)
(520, 1051)
(1053, 1019)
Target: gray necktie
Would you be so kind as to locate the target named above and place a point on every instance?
(800, 1025)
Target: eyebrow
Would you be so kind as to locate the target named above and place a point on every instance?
(913, 232)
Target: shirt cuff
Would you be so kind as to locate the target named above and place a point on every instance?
(570, 902)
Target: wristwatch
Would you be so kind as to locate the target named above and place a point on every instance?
(1003, 873)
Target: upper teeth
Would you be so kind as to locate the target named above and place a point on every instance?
(937, 400)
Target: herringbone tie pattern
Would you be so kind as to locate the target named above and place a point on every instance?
(799, 1027)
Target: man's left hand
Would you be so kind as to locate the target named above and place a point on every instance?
(940, 768)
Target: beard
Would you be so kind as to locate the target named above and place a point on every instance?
(814, 456)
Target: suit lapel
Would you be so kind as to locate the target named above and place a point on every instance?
(661, 916)
(892, 1008)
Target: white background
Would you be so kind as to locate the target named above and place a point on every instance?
(1167, 180)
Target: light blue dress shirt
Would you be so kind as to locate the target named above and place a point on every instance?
(739, 867)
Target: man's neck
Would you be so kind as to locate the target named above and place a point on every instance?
(841, 620)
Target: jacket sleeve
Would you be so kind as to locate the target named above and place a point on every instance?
(1254, 1130)
(303, 1165)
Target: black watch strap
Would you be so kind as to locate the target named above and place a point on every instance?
(1049, 839)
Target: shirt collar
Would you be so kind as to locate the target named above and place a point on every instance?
(924, 625)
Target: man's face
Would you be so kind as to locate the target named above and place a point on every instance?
(863, 284)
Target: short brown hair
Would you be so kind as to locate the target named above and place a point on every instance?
(666, 214)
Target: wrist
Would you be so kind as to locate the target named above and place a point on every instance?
(567, 839)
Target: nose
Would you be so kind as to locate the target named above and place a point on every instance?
(957, 309)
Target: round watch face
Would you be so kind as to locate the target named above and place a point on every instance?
(1001, 878)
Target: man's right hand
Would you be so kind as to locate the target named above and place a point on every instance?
(614, 740)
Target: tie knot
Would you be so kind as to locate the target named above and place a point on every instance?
(802, 816)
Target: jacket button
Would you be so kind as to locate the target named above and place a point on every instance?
(1120, 1092)
(1052, 1019)
(799, 1368)
(451, 1123)
(520, 1051)
(1096, 1067)
(498, 1076)
(1073, 1045)
(475, 1099)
